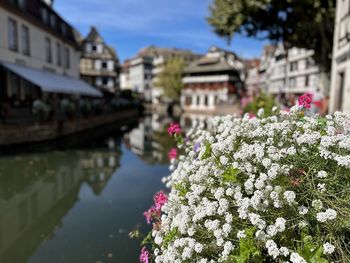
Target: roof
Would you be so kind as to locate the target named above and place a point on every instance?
(216, 59)
(153, 51)
(53, 83)
(94, 36)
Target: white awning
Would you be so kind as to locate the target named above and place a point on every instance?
(54, 83)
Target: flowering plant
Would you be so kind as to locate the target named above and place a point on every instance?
(274, 189)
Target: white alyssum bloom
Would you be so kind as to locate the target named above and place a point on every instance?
(289, 196)
(322, 174)
(296, 258)
(328, 248)
(255, 178)
(329, 214)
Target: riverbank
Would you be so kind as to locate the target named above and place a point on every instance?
(14, 134)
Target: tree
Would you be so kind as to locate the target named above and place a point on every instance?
(301, 23)
(170, 79)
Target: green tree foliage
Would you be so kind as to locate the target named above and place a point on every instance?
(300, 23)
(170, 79)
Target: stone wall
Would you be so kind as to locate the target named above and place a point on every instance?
(27, 133)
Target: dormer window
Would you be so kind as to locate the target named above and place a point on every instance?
(52, 21)
(44, 15)
(64, 29)
(94, 48)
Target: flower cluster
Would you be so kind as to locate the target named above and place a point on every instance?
(154, 212)
(305, 100)
(274, 189)
(174, 128)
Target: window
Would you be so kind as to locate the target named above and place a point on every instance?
(59, 54)
(104, 81)
(63, 29)
(44, 15)
(306, 80)
(25, 41)
(340, 89)
(67, 58)
(12, 35)
(104, 65)
(48, 50)
(294, 66)
(52, 21)
(22, 4)
(293, 82)
(94, 48)
(309, 62)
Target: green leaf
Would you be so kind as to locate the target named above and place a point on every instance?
(170, 236)
(310, 251)
(147, 239)
(207, 152)
(247, 247)
(181, 189)
(230, 175)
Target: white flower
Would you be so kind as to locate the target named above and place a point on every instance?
(289, 196)
(321, 187)
(303, 210)
(317, 204)
(296, 258)
(241, 234)
(328, 248)
(322, 174)
(330, 214)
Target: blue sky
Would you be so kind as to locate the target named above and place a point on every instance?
(129, 25)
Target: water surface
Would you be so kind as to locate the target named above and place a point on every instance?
(78, 205)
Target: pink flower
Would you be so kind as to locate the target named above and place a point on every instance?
(174, 128)
(144, 255)
(160, 199)
(172, 154)
(251, 115)
(305, 100)
(151, 213)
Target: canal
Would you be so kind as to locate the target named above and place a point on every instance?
(77, 204)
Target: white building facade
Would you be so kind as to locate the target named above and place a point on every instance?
(293, 72)
(340, 79)
(99, 64)
(39, 55)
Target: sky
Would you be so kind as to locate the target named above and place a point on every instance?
(128, 25)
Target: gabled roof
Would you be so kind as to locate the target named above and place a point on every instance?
(94, 36)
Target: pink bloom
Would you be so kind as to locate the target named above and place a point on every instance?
(251, 115)
(174, 128)
(151, 213)
(172, 154)
(305, 100)
(144, 255)
(160, 199)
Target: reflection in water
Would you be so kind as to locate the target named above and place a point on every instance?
(37, 191)
(150, 140)
(78, 206)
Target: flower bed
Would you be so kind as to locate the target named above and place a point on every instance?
(273, 189)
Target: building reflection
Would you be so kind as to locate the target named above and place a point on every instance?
(149, 139)
(37, 192)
